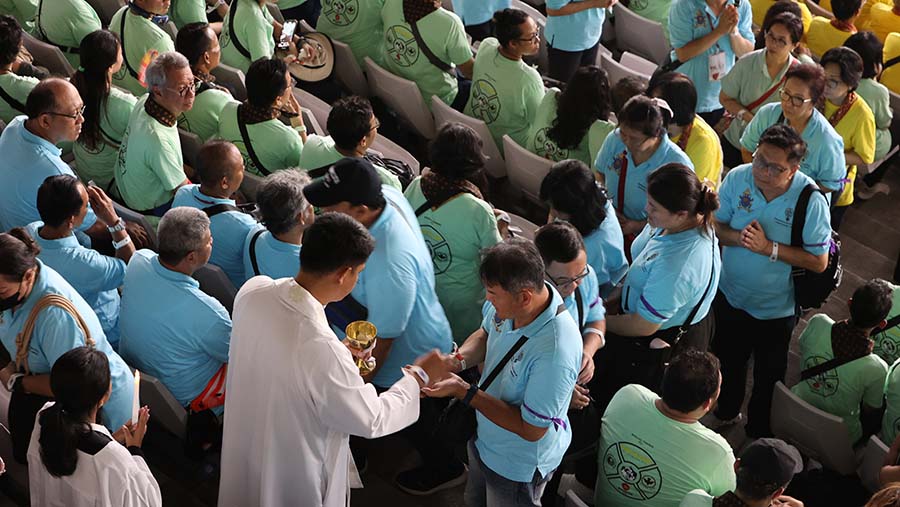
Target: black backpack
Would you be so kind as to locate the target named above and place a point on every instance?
(811, 289)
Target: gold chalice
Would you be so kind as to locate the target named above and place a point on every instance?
(360, 335)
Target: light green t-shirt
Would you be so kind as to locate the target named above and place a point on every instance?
(99, 164)
(746, 82)
(65, 23)
(505, 93)
(540, 143)
(141, 37)
(277, 145)
(697, 498)
(654, 10)
(878, 98)
(443, 33)
(17, 87)
(356, 23)
(23, 10)
(646, 458)
(253, 29)
(890, 422)
(289, 4)
(149, 167)
(203, 118)
(319, 151)
(183, 12)
(887, 342)
(841, 390)
(456, 233)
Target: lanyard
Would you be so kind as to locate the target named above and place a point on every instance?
(623, 171)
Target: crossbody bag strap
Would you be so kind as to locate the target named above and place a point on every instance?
(15, 104)
(690, 318)
(246, 138)
(37, 22)
(429, 204)
(253, 261)
(579, 302)
(800, 215)
(756, 103)
(496, 371)
(217, 209)
(893, 61)
(891, 323)
(231, 33)
(23, 339)
(830, 364)
(128, 66)
(437, 62)
(623, 174)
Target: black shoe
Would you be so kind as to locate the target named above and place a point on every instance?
(425, 481)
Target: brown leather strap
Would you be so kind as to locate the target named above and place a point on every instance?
(23, 339)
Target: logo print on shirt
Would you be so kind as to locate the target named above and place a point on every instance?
(498, 322)
(886, 347)
(788, 214)
(637, 5)
(631, 471)
(699, 19)
(745, 201)
(340, 12)
(545, 147)
(441, 255)
(824, 384)
(619, 162)
(485, 102)
(401, 45)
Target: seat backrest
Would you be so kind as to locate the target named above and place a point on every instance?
(403, 96)
(617, 71)
(250, 185)
(231, 78)
(190, 146)
(521, 227)
(164, 408)
(640, 35)
(311, 123)
(106, 8)
(872, 460)
(319, 108)
(817, 434)
(347, 70)
(275, 12)
(817, 10)
(637, 64)
(525, 169)
(542, 58)
(444, 114)
(170, 29)
(572, 500)
(214, 282)
(48, 55)
(389, 149)
(130, 215)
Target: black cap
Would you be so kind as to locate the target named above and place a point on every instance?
(772, 461)
(354, 180)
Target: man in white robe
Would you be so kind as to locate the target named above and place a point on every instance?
(295, 394)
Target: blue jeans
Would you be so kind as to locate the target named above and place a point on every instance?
(486, 488)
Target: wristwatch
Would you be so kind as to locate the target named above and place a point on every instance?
(470, 394)
(118, 226)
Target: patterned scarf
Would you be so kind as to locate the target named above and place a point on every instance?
(841, 111)
(414, 10)
(159, 113)
(849, 341)
(438, 188)
(251, 114)
(208, 82)
(729, 499)
(844, 26)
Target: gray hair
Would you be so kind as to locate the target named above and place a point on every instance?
(157, 72)
(181, 231)
(280, 199)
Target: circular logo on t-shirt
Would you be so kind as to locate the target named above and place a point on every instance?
(886, 348)
(401, 45)
(824, 384)
(637, 5)
(632, 471)
(545, 147)
(248, 162)
(123, 149)
(340, 12)
(225, 38)
(485, 102)
(441, 255)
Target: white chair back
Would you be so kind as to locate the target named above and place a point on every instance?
(403, 96)
(525, 169)
(444, 114)
(233, 79)
(214, 282)
(166, 410)
(872, 460)
(389, 149)
(521, 227)
(572, 500)
(311, 123)
(347, 70)
(640, 35)
(320, 109)
(617, 71)
(48, 55)
(275, 12)
(638, 64)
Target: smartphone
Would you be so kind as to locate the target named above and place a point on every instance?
(287, 33)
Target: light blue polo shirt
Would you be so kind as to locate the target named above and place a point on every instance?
(170, 328)
(824, 161)
(539, 380)
(228, 231)
(613, 156)
(476, 12)
(575, 32)
(95, 276)
(397, 286)
(669, 274)
(56, 332)
(26, 160)
(689, 20)
(606, 251)
(592, 309)
(750, 281)
(275, 258)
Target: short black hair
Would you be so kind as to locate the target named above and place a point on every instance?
(845, 9)
(10, 39)
(335, 241)
(850, 64)
(265, 81)
(642, 113)
(679, 92)
(624, 89)
(558, 242)
(514, 265)
(456, 152)
(211, 157)
(870, 49)
(691, 379)
(784, 137)
(42, 98)
(59, 199)
(570, 187)
(871, 303)
(349, 121)
(193, 40)
(792, 23)
(507, 23)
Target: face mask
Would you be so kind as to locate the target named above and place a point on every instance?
(157, 19)
(10, 302)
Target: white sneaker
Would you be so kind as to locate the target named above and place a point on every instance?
(865, 192)
(714, 423)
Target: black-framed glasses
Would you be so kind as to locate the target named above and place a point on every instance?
(777, 40)
(535, 37)
(761, 164)
(183, 91)
(795, 100)
(78, 114)
(564, 281)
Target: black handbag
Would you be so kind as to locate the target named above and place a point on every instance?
(811, 289)
(456, 425)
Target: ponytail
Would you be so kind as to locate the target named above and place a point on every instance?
(99, 51)
(677, 188)
(58, 441)
(18, 253)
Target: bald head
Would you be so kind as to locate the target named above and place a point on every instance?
(54, 110)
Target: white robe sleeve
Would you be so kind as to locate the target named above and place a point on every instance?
(142, 490)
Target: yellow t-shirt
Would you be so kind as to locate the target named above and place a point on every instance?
(882, 21)
(866, 9)
(891, 75)
(822, 36)
(761, 7)
(705, 152)
(857, 129)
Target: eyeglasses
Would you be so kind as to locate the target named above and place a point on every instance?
(564, 281)
(376, 126)
(795, 100)
(535, 37)
(777, 40)
(761, 164)
(184, 90)
(78, 114)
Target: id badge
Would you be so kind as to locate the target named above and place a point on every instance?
(717, 66)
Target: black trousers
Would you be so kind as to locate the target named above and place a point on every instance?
(307, 11)
(481, 31)
(712, 117)
(731, 156)
(563, 64)
(738, 337)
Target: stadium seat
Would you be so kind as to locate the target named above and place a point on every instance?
(214, 282)
(164, 408)
(48, 56)
(403, 96)
(347, 70)
(250, 186)
(231, 78)
(638, 34)
(572, 500)
(443, 114)
(638, 64)
(525, 169)
(541, 59)
(170, 29)
(389, 149)
(872, 460)
(190, 146)
(275, 12)
(521, 227)
(106, 8)
(617, 71)
(319, 108)
(817, 434)
(133, 216)
(311, 123)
